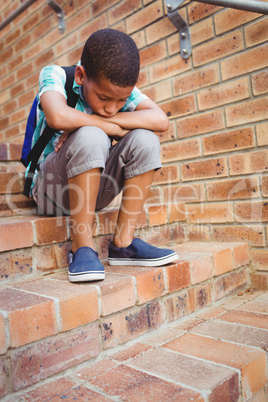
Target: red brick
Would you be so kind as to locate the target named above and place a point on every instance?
(94, 369)
(236, 333)
(200, 297)
(49, 390)
(159, 92)
(201, 266)
(256, 33)
(204, 169)
(230, 141)
(195, 80)
(31, 317)
(257, 305)
(131, 352)
(122, 10)
(186, 192)
(178, 305)
(117, 293)
(202, 31)
(245, 63)
(178, 276)
(153, 54)
(222, 254)
(31, 21)
(260, 259)
(15, 151)
(181, 150)
(224, 94)
(77, 305)
(98, 7)
(254, 235)
(16, 263)
(211, 213)
(3, 336)
(246, 318)
(260, 280)
(3, 379)
(131, 323)
(168, 68)
(149, 282)
(50, 230)
(9, 183)
(251, 211)
(139, 39)
(248, 361)
(200, 124)
(144, 17)
(89, 28)
(231, 18)
(247, 112)
(232, 189)
(127, 383)
(241, 254)
(157, 215)
(230, 283)
(218, 48)
(220, 383)
(177, 212)
(168, 174)
(199, 11)
(3, 152)
(262, 134)
(159, 30)
(66, 350)
(260, 83)
(248, 162)
(16, 234)
(179, 107)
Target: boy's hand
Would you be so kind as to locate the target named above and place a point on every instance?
(113, 129)
(61, 140)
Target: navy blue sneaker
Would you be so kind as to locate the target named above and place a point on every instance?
(140, 253)
(84, 265)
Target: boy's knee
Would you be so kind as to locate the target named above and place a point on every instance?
(91, 140)
(144, 139)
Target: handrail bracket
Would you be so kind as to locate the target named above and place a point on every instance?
(181, 25)
(60, 14)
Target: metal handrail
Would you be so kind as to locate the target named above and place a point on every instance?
(254, 6)
(28, 3)
(16, 13)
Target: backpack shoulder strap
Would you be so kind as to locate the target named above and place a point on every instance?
(48, 133)
(72, 97)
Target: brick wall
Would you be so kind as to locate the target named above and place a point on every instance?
(214, 182)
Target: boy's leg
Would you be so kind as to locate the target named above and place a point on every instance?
(68, 183)
(82, 215)
(135, 193)
(131, 165)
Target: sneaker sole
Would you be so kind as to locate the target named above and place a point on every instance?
(154, 262)
(86, 277)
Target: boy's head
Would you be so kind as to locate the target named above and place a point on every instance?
(111, 55)
(109, 70)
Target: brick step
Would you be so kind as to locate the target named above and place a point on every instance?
(216, 354)
(46, 317)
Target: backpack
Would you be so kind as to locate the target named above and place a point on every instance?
(31, 155)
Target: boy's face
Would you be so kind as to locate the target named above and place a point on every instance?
(104, 98)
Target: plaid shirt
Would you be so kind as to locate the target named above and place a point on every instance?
(53, 78)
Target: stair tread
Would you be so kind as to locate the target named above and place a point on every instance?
(178, 361)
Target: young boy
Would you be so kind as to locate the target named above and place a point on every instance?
(80, 171)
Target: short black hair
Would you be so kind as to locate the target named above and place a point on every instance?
(112, 55)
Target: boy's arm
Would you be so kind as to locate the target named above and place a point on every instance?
(60, 116)
(147, 115)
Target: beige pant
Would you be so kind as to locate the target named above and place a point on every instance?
(88, 148)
